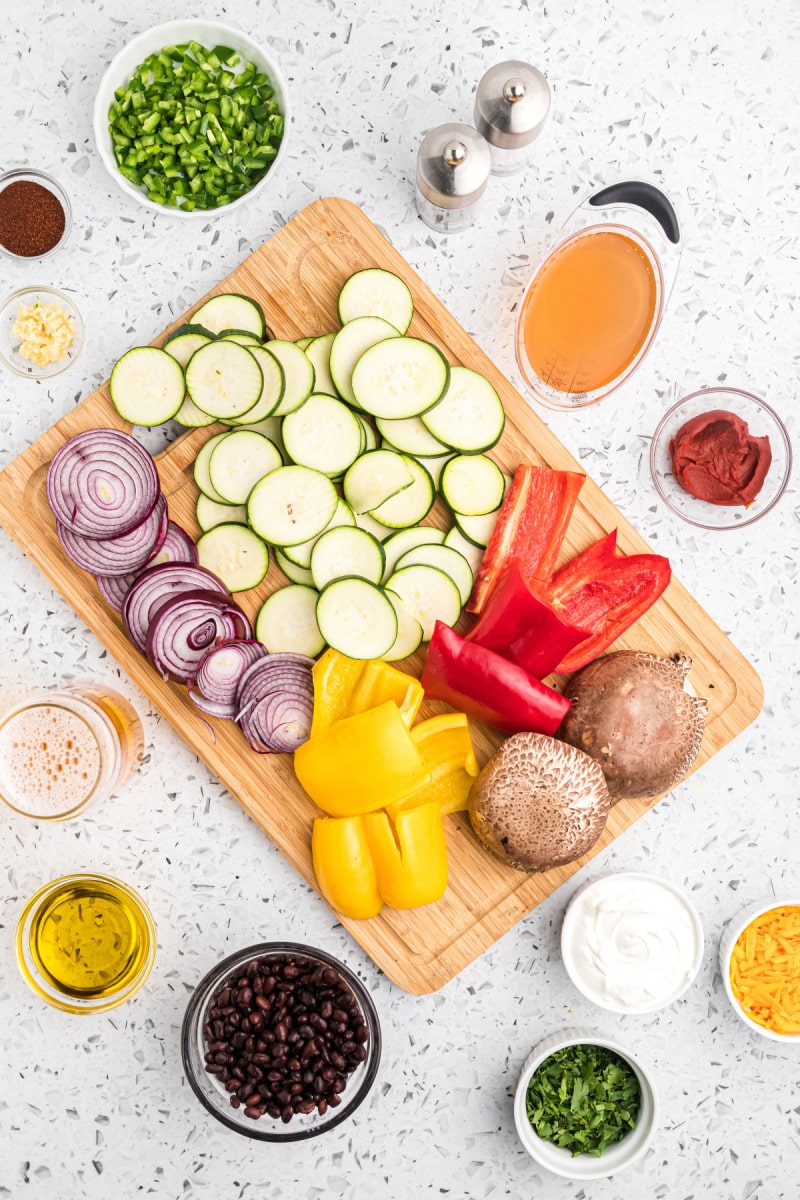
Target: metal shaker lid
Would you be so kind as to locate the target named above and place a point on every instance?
(453, 166)
(511, 104)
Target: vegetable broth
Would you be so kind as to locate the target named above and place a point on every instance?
(589, 311)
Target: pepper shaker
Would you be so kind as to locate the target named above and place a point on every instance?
(453, 167)
(511, 106)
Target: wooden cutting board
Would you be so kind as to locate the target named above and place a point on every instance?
(296, 276)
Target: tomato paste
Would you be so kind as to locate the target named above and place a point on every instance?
(715, 458)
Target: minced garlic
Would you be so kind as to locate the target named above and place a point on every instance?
(45, 332)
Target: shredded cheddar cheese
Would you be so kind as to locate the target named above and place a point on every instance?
(45, 333)
(765, 970)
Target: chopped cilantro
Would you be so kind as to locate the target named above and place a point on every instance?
(583, 1098)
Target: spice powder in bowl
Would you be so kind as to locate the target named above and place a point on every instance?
(34, 214)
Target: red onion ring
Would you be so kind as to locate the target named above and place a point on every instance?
(114, 588)
(276, 700)
(118, 555)
(102, 484)
(184, 627)
(177, 547)
(216, 684)
(157, 584)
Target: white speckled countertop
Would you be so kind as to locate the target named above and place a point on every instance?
(698, 94)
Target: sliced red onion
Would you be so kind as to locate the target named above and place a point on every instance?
(276, 700)
(157, 584)
(114, 588)
(216, 684)
(177, 547)
(184, 627)
(119, 555)
(102, 484)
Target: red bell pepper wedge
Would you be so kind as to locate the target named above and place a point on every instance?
(488, 687)
(605, 592)
(530, 528)
(523, 628)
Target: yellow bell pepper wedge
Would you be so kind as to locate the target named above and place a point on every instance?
(344, 868)
(380, 682)
(446, 748)
(361, 763)
(410, 856)
(335, 676)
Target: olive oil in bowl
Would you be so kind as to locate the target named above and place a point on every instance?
(86, 943)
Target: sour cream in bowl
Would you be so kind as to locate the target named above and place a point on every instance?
(631, 942)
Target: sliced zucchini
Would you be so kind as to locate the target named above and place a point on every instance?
(210, 513)
(473, 484)
(470, 416)
(376, 477)
(376, 293)
(241, 336)
(235, 555)
(301, 555)
(298, 375)
(231, 311)
(409, 631)
(291, 505)
(271, 393)
(319, 351)
(343, 552)
(370, 438)
(412, 504)
(477, 530)
(446, 559)
(365, 521)
(411, 436)
(428, 594)
(287, 622)
(455, 539)
(239, 461)
(201, 475)
(270, 427)
(408, 539)
(224, 380)
(303, 342)
(349, 344)
(147, 386)
(190, 415)
(324, 434)
(400, 377)
(435, 466)
(291, 570)
(183, 345)
(357, 618)
(190, 327)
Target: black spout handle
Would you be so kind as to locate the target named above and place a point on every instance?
(643, 195)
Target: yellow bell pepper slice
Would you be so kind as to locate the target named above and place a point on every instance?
(446, 748)
(410, 856)
(344, 868)
(380, 682)
(361, 763)
(335, 676)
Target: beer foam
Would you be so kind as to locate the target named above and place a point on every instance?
(49, 760)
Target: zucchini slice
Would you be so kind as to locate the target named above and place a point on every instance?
(301, 555)
(224, 379)
(298, 373)
(412, 504)
(400, 377)
(411, 436)
(428, 594)
(376, 477)
(357, 618)
(287, 622)
(376, 293)
(201, 475)
(291, 505)
(470, 417)
(408, 539)
(319, 351)
(235, 555)
(183, 345)
(473, 484)
(147, 386)
(210, 513)
(230, 311)
(343, 552)
(324, 434)
(291, 570)
(271, 393)
(409, 631)
(348, 346)
(455, 539)
(446, 559)
(239, 461)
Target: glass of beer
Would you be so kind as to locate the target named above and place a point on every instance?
(62, 751)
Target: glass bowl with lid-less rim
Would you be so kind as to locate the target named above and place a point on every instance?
(618, 1156)
(761, 420)
(210, 1091)
(10, 346)
(727, 944)
(31, 175)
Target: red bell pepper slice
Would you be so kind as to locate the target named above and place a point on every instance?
(605, 592)
(530, 528)
(523, 628)
(488, 687)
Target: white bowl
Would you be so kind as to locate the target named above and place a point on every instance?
(731, 934)
(586, 1166)
(121, 68)
(567, 939)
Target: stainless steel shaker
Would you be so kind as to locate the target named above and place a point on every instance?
(453, 168)
(512, 103)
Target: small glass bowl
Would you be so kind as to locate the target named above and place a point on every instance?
(212, 1094)
(45, 986)
(25, 175)
(733, 931)
(761, 420)
(9, 347)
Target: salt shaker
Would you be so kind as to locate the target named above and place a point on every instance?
(511, 106)
(453, 167)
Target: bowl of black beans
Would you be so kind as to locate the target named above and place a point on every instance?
(281, 1042)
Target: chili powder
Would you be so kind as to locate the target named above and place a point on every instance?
(32, 219)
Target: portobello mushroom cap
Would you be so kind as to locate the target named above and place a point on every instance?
(631, 712)
(538, 803)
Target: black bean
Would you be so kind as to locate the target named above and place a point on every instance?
(262, 1002)
(254, 1111)
(235, 1102)
(286, 1114)
(273, 1111)
(305, 1106)
(334, 1101)
(360, 1053)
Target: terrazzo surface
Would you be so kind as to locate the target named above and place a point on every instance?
(699, 96)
